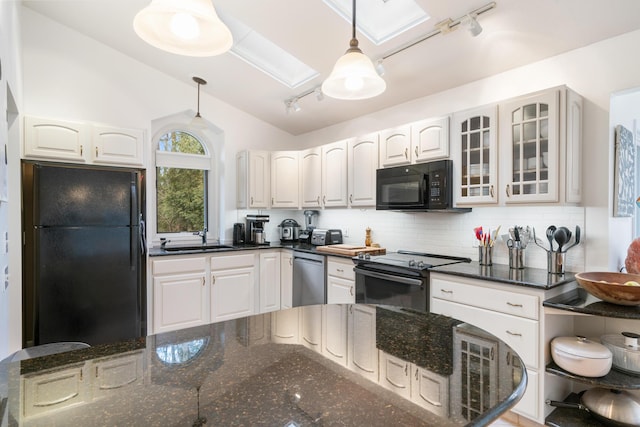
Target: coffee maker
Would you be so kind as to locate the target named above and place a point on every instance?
(310, 222)
(255, 229)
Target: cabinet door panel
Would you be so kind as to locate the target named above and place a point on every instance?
(48, 392)
(232, 293)
(180, 301)
(286, 279)
(334, 174)
(334, 333)
(117, 146)
(395, 146)
(55, 139)
(362, 165)
(311, 327)
(284, 179)
(430, 139)
(311, 177)
(395, 375)
(269, 282)
(340, 291)
(363, 354)
(259, 166)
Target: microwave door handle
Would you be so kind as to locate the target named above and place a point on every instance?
(425, 179)
(389, 277)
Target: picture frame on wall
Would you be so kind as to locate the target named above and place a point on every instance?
(624, 170)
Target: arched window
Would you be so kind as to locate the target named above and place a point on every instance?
(182, 176)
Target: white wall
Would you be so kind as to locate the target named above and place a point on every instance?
(594, 71)
(10, 99)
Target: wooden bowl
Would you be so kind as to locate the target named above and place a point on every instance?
(610, 287)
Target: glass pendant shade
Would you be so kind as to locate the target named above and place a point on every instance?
(183, 27)
(353, 77)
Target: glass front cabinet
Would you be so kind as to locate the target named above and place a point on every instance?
(523, 150)
(475, 147)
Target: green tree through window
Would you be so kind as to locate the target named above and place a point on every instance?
(181, 191)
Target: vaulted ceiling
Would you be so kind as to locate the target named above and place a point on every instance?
(516, 32)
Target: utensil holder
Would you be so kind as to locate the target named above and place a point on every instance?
(485, 255)
(555, 262)
(516, 258)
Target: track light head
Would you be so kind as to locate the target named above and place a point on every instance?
(471, 23)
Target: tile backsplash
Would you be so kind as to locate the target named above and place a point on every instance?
(449, 233)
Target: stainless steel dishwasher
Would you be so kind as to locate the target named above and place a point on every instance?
(309, 279)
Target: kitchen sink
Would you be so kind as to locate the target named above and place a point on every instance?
(196, 248)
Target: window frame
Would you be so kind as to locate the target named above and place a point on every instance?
(212, 140)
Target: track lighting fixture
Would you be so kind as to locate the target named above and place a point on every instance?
(472, 24)
(292, 105)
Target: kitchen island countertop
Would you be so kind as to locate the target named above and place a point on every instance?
(236, 373)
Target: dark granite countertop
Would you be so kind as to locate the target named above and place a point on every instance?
(304, 247)
(580, 301)
(537, 278)
(234, 374)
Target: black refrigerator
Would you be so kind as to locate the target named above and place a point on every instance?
(83, 254)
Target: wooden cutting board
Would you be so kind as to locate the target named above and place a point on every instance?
(350, 250)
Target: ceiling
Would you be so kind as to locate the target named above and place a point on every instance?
(516, 32)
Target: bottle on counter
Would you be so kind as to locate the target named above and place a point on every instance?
(367, 239)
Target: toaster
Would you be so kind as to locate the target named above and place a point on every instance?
(320, 237)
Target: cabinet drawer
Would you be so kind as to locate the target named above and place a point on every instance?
(519, 333)
(341, 269)
(492, 299)
(232, 261)
(43, 393)
(181, 265)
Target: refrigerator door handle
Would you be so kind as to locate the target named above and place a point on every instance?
(143, 236)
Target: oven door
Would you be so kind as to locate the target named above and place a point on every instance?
(376, 287)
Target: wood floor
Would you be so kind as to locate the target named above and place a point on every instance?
(513, 420)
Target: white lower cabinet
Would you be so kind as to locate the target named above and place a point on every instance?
(362, 352)
(234, 286)
(334, 333)
(110, 374)
(341, 281)
(395, 374)
(285, 326)
(311, 327)
(430, 391)
(286, 279)
(54, 390)
(180, 293)
(269, 281)
(514, 314)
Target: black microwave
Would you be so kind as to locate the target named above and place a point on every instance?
(416, 187)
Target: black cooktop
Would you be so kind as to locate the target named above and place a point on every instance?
(409, 260)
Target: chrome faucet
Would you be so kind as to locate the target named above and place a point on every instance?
(202, 233)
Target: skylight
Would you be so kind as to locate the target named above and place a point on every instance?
(381, 20)
(266, 56)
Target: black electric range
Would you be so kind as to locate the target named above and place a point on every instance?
(398, 278)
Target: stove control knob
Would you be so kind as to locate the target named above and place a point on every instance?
(420, 264)
(367, 256)
(412, 263)
(361, 255)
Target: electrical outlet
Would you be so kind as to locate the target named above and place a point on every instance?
(345, 232)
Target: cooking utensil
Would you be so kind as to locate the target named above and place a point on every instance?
(581, 356)
(576, 238)
(560, 236)
(626, 351)
(617, 408)
(550, 230)
(535, 240)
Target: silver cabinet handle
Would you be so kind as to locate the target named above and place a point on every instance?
(406, 153)
(416, 374)
(339, 270)
(416, 151)
(515, 334)
(350, 198)
(251, 200)
(213, 280)
(96, 151)
(318, 200)
(272, 201)
(446, 291)
(351, 290)
(491, 190)
(513, 305)
(324, 200)
(405, 369)
(508, 190)
(81, 150)
(290, 261)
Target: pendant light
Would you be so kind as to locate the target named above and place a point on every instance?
(184, 27)
(353, 76)
(197, 120)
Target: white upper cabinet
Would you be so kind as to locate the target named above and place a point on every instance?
(475, 153)
(430, 139)
(117, 146)
(416, 142)
(395, 146)
(82, 142)
(334, 174)
(253, 177)
(285, 176)
(361, 168)
(540, 141)
(310, 177)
